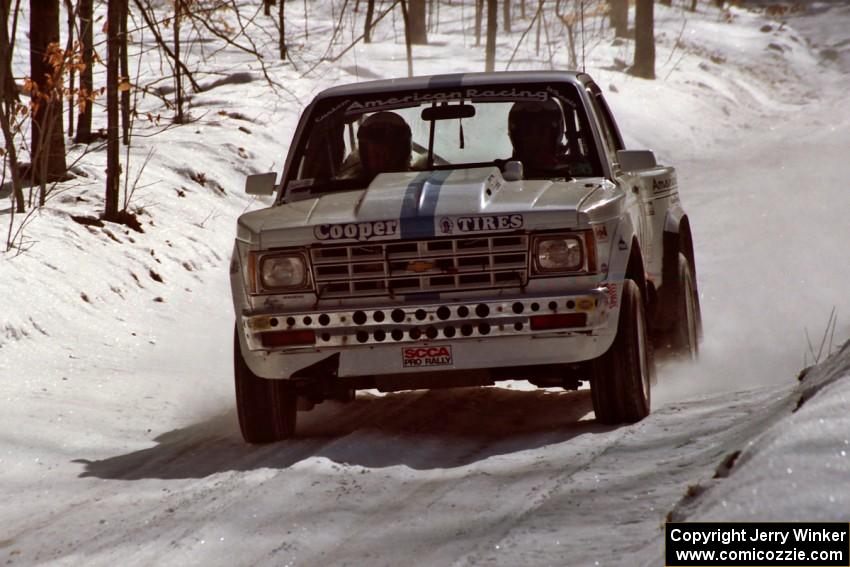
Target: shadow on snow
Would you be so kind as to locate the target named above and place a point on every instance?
(422, 430)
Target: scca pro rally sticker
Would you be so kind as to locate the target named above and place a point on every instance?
(416, 357)
(356, 230)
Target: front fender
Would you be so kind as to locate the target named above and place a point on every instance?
(616, 266)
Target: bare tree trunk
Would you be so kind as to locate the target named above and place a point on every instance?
(282, 26)
(125, 74)
(407, 41)
(506, 15)
(306, 26)
(69, 8)
(417, 21)
(86, 82)
(367, 28)
(571, 42)
(644, 65)
(619, 16)
(693, 5)
(539, 23)
(7, 106)
(479, 15)
(522, 9)
(48, 137)
(9, 91)
(178, 8)
(12, 157)
(113, 165)
(490, 49)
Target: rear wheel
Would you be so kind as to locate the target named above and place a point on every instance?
(266, 408)
(621, 377)
(686, 329)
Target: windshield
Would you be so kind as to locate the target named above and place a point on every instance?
(349, 141)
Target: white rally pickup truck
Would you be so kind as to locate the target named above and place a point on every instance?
(458, 230)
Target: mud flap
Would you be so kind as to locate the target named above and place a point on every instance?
(317, 382)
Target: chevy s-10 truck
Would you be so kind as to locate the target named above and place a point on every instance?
(458, 230)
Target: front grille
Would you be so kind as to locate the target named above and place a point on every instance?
(406, 267)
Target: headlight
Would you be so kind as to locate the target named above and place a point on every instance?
(562, 253)
(283, 272)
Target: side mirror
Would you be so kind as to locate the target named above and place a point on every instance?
(260, 183)
(513, 171)
(635, 160)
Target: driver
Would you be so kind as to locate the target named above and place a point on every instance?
(384, 144)
(536, 130)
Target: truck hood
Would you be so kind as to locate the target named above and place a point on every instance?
(429, 204)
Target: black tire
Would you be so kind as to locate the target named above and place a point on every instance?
(696, 300)
(622, 376)
(686, 327)
(267, 408)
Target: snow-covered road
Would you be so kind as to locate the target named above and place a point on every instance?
(442, 478)
(127, 451)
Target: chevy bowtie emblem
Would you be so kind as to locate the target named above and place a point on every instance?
(419, 266)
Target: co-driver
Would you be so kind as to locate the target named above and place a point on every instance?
(384, 144)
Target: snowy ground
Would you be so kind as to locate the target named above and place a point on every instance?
(118, 437)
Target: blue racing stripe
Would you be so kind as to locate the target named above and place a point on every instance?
(420, 204)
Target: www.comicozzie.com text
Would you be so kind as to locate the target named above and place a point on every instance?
(727, 536)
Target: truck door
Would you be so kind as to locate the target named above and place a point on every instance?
(612, 141)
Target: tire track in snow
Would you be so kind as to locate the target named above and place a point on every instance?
(599, 514)
(544, 493)
(494, 492)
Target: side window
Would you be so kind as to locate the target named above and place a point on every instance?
(323, 153)
(609, 121)
(580, 148)
(609, 127)
(609, 136)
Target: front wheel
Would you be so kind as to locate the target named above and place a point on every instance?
(621, 377)
(267, 408)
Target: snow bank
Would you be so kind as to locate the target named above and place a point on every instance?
(797, 470)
